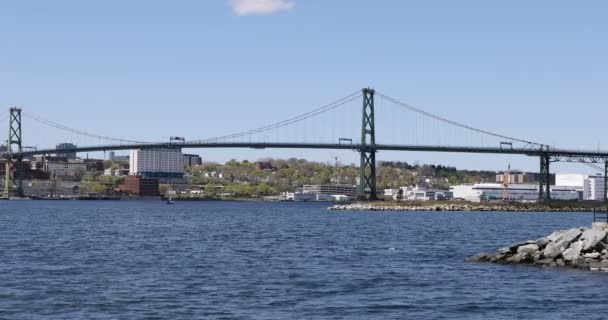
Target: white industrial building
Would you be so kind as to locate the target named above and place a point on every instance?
(570, 180)
(418, 193)
(157, 163)
(516, 192)
(593, 188)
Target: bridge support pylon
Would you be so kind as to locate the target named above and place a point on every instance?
(367, 169)
(544, 181)
(14, 163)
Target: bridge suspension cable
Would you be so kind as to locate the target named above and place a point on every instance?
(76, 131)
(454, 123)
(335, 104)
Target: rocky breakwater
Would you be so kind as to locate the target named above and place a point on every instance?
(457, 207)
(577, 248)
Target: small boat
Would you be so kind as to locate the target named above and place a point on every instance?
(170, 201)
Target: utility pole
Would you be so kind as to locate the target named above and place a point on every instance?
(367, 168)
(14, 164)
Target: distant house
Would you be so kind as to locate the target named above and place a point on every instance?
(263, 165)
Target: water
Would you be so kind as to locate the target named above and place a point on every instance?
(247, 260)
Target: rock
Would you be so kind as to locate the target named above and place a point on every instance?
(529, 249)
(516, 246)
(545, 261)
(592, 255)
(560, 262)
(573, 252)
(504, 250)
(482, 257)
(556, 235)
(552, 251)
(601, 265)
(542, 243)
(591, 238)
(519, 257)
(560, 241)
(580, 263)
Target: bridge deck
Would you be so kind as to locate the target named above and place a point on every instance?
(569, 155)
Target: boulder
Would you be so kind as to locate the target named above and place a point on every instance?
(530, 249)
(542, 243)
(504, 250)
(552, 251)
(556, 235)
(592, 255)
(520, 257)
(560, 241)
(592, 238)
(601, 265)
(545, 261)
(573, 252)
(482, 257)
(564, 235)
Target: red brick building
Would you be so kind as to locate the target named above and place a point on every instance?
(145, 187)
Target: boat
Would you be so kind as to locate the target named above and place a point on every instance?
(170, 201)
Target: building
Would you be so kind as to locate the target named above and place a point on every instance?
(264, 165)
(593, 190)
(138, 185)
(423, 194)
(157, 163)
(120, 172)
(67, 154)
(191, 160)
(482, 192)
(65, 168)
(519, 177)
(331, 189)
(571, 180)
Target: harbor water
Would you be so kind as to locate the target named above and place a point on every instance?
(256, 260)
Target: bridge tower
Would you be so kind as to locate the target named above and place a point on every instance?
(14, 164)
(367, 169)
(544, 181)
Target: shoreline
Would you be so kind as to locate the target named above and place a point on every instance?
(462, 207)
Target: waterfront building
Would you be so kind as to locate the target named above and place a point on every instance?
(482, 192)
(593, 190)
(66, 146)
(191, 160)
(138, 185)
(519, 177)
(418, 193)
(391, 193)
(331, 189)
(64, 168)
(571, 180)
(157, 163)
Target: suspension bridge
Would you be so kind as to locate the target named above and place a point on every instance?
(420, 131)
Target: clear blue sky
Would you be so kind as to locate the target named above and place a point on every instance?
(151, 69)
